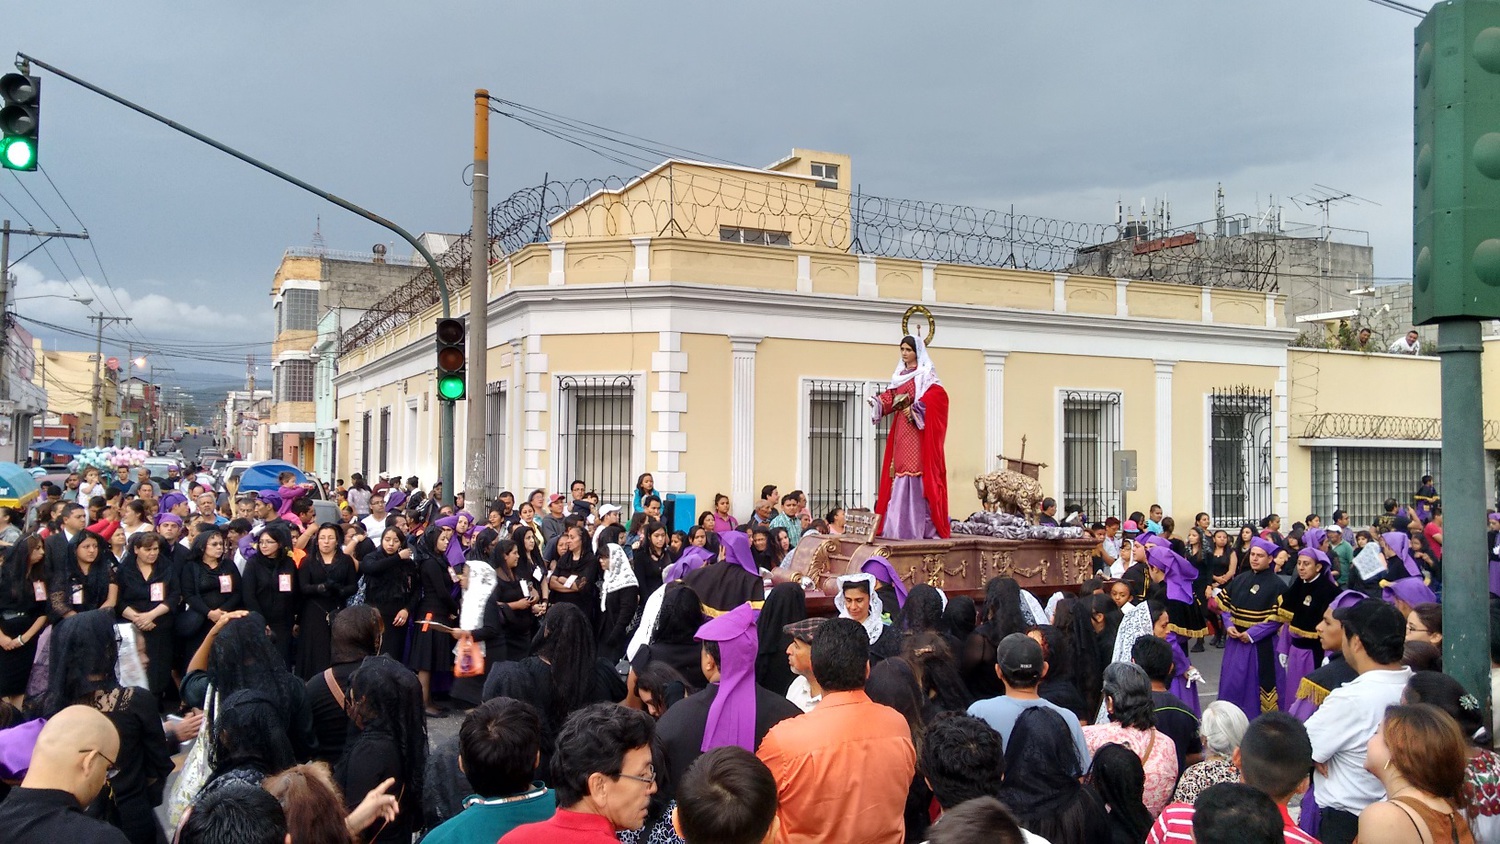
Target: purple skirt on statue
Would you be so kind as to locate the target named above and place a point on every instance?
(906, 514)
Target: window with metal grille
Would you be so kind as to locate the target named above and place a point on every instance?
(1091, 436)
(844, 451)
(364, 446)
(1359, 480)
(385, 439)
(596, 434)
(494, 440)
(1239, 454)
(298, 311)
(294, 380)
(755, 237)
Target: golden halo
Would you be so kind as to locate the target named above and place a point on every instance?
(931, 323)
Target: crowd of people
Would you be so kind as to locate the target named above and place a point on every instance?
(618, 680)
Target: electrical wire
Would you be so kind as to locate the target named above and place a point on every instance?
(94, 248)
(1400, 7)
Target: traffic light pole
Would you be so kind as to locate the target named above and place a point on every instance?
(477, 468)
(445, 419)
(1466, 582)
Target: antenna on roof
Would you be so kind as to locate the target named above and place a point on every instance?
(317, 239)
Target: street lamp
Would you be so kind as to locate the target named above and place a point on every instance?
(82, 300)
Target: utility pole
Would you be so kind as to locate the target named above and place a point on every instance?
(120, 394)
(98, 405)
(477, 470)
(5, 232)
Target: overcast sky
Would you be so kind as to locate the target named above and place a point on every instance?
(1055, 106)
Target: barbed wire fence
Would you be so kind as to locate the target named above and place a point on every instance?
(721, 201)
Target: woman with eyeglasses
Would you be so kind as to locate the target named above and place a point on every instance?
(85, 647)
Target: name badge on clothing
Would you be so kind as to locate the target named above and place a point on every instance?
(39, 590)
(525, 589)
(158, 592)
(536, 574)
(78, 596)
(284, 582)
(226, 584)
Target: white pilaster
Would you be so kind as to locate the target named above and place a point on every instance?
(868, 289)
(516, 417)
(533, 404)
(742, 428)
(1059, 292)
(557, 275)
(1122, 304)
(668, 441)
(929, 286)
(642, 271)
(1206, 305)
(1164, 433)
(1280, 433)
(1270, 310)
(994, 406)
(804, 273)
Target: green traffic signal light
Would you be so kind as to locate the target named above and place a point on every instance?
(451, 387)
(19, 154)
(20, 120)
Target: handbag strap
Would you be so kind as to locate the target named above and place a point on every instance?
(333, 687)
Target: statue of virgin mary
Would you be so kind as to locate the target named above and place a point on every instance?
(913, 499)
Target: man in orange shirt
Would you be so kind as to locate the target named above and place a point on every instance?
(842, 770)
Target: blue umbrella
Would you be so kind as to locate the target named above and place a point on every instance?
(17, 486)
(57, 447)
(262, 476)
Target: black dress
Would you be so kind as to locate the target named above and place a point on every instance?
(587, 570)
(368, 761)
(324, 588)
(432, 648)
(74, 591)
(389, 581)
(270, 589)
(504, 632)
(204, 589)
(143, 594)
(20, 607)
(329, 718)
(619, 608)
(530, 680)
(143, 761)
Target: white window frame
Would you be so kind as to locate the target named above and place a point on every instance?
(1208, 458)
(820, 171)
(866, 476)
(1107, 459)
(638, 413)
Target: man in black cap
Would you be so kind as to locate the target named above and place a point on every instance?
(1020, 664)
(804, 691)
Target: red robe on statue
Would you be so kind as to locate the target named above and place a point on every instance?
(934, 465)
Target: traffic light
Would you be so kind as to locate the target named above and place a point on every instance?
(451, 359)
(1456, 192)
(20, 120)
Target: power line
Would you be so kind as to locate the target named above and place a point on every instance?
(93, 247)
(1400, 7)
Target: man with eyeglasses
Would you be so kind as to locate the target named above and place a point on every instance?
(603, 777)
(74, 755)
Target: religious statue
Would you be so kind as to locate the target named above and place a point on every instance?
(913, 499)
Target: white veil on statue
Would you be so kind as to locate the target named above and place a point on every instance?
(924, 373)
